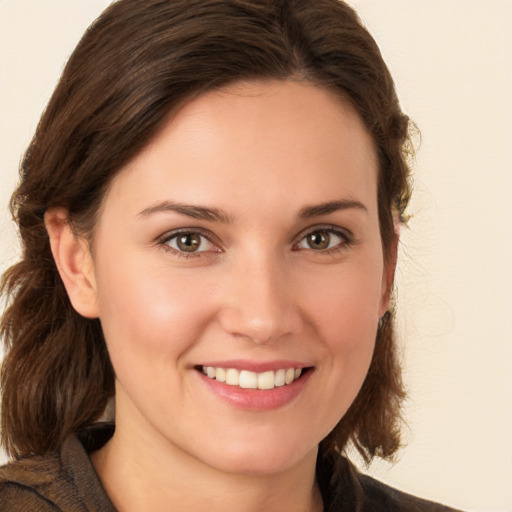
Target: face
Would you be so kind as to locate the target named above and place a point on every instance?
(239, 276)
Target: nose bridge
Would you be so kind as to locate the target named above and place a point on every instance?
(259, 304)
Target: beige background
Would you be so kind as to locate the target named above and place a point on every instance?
(452, 61)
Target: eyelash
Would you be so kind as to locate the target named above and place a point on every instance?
(168, 237)
(346, 237)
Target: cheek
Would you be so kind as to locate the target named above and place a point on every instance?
(345, 312)
(346, 305)
(147, 317)
(342, 312)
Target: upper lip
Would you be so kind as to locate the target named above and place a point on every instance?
(256, 366)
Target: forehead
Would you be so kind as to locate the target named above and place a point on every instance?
(262, 138)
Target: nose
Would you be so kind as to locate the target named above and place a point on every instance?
(259, 302)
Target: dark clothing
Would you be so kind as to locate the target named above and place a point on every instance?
(67, 482)
(64, 482)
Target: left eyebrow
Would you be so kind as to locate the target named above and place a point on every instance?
(317, 210)
(188, 210)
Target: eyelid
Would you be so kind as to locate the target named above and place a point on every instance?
(344, 233)
(163, 240)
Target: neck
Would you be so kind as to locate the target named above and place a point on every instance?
(143, 475)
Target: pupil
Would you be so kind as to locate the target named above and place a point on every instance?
(189, 242)
(319, 240)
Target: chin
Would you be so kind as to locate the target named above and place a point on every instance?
(257, 459)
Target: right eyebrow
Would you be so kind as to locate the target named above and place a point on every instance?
(188, 210)
(318, 210)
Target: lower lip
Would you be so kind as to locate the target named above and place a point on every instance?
(257, 399)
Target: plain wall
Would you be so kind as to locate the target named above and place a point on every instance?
(452, 62)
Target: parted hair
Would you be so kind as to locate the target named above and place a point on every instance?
(136, 65)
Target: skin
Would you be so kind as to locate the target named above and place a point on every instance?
(260, 155)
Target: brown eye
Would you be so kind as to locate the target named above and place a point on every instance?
(188, 242)
(319, 240)
(324, 240)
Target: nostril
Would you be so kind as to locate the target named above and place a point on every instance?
(258, 325)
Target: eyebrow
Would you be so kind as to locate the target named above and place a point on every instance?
(217, 215)
(309, 212)
(192, 211)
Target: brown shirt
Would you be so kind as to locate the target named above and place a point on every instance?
(67, 482)
(64, 482)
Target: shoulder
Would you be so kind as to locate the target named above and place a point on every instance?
(381, 497)
(64, 481)
(344, 488)
(29, 484)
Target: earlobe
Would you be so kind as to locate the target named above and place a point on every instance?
(388, 276)
(74, 262)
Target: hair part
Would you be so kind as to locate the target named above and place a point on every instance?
(136, 65)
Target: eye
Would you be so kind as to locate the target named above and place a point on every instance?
(188, 242)
(324, 239)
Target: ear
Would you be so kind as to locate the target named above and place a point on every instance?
(74, 262)
(388, 275)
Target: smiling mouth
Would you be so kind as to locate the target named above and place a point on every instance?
(246, 379)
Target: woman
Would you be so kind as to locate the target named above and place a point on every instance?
(209, 211)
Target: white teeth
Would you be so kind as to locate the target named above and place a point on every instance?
(280, 378)
(251, 380)
(289, 376)
(266, 380)
(248, 380)
(232, 377)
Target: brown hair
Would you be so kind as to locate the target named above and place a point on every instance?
(138, 62)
